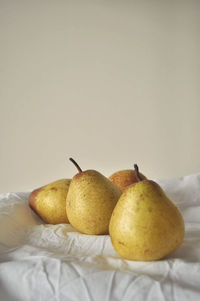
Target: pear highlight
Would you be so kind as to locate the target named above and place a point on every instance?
(145, 224)
(90, 201)
(49, 201)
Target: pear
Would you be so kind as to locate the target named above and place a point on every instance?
(90, 201)
(124, 178)
(49, 201)
(145, 224)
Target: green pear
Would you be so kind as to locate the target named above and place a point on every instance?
(90, 201)
(49, 201)
(145, 224)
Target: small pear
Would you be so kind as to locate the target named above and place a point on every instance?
(145, 224)
(124, 178)
(90, 201)
(49, 201)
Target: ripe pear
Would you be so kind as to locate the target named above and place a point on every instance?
(49, 201)
(124, 178)
(145, 224)
(90, 201)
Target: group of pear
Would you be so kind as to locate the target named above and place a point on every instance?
(143, 223)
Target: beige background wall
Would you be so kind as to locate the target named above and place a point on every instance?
(109, 83)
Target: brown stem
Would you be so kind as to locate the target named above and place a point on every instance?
(137, 173)
(76, 164)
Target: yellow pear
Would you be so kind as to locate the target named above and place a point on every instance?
(90, 201)
(124, 178)
(49, 201)
(145, 224)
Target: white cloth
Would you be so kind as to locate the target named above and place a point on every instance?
(55, 262)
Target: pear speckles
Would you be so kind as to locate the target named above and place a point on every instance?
(124, 178)
(147, 222)
(49, 201)
(90, 202)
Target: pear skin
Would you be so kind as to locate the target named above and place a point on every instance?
(124, 178)
(90, 201)
(49, 201)
(145, 224)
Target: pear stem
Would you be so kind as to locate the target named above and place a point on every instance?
(137, 173)
(76, 164)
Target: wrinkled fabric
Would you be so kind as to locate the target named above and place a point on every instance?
(55, 262)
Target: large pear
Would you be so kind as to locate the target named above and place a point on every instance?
(49, 201)
(145, 224)
(90, 201)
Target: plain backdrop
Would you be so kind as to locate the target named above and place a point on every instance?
(109, 83)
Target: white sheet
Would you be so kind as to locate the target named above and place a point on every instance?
(47, 262)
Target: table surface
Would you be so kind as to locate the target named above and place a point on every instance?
(55, 262)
